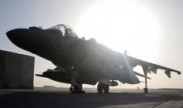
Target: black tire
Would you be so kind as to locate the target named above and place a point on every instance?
(146, 90)
(72, 89)
(106, 89)
(99, 88)
(76, 88)
(102, 88)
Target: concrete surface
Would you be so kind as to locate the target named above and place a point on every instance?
(16, 70)
(117, 98)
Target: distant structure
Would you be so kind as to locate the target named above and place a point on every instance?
(16, 71)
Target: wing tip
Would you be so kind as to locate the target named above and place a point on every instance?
(179, 72)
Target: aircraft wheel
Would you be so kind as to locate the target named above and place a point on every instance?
(102, 88)
(76, 88)
(72, 89)
(106, 89)
(145, 90)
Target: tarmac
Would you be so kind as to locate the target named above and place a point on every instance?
(117, 98)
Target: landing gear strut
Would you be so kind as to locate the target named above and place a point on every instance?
(76, 88)
(145, 88)
(102, 88)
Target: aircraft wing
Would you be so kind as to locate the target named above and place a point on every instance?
(150, 67)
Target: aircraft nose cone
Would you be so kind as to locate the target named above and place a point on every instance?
(11, 34)
(15, 36)
(20, 37)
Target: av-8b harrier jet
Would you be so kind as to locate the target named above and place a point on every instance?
(81, 61)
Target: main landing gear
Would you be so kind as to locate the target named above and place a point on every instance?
(77, 89)
(102, 88)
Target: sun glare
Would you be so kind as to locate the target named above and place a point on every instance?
(121, 25)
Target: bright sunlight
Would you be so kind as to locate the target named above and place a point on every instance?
(122, 25)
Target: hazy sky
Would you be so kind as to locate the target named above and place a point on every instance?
(46, 13)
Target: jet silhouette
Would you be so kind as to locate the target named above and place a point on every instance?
(80, 61)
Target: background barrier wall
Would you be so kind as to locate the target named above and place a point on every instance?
(16, 71)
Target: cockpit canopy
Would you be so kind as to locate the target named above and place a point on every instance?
(63, 30)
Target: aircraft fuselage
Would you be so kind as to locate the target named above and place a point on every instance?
(89, 61)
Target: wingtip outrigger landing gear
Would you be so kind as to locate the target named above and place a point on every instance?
(145, 88)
